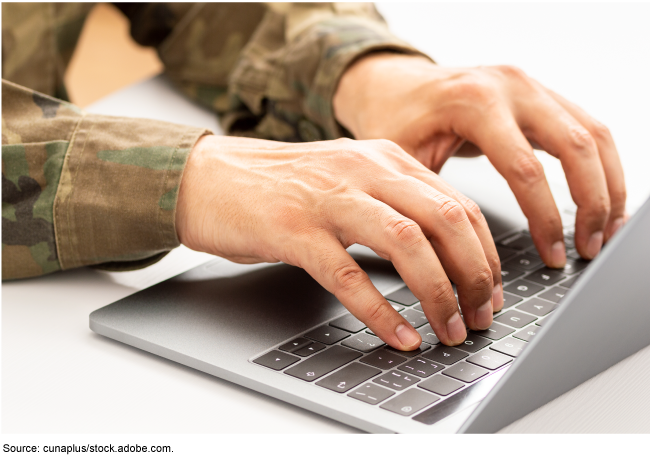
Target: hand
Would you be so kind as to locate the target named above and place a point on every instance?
(251, 201)
(433, 112)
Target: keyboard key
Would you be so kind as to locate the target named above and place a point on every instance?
(508, 273)
(418, 308)
(383, 359)
(409, 402)
(474, 343)
(465, 372)
(555, 294)
(546, 276)
(348, 323)
(536, 307)
(371, 393)
(347, 378)
(276, 360)
(527, 334)
(415, 318)
(309, 350)
(510, 300)
(428, 335)
(495, 331)
(295, 344)
(327, 335)
(410, 354)
(569, 283)
(396, 380)
(445, 355)
(403, 296)
(489, 359)
(515, 319)
(505, 253)
(421, 367)
(363, 342)
(573, 254)
(523, 288)
(322, 363)
(518, 241)
(511, 347)
(574, 266)
(399, 308)
(442, 385)
(524, 261)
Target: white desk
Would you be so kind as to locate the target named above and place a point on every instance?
(59, 377)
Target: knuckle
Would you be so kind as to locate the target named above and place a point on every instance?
(512, 72)
(405, 232)
(348, 277)
(442, 292)
(600, 131)
(482, 279)
(451, 211)
(472, 209)
(618, 196)
(581, 140)
(376, 312)
(528, 169)
(474, 89)
(599, 208)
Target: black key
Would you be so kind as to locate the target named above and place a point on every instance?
(347, 378)
(511, 347)
(546, 276)
(418, 308)
(495, 331)
(574, 266)
(524, 261)
(410, 354)
(396, 380)
(536, 307)
(510, 300)
(371, 393)
(527, 334)
(421, 367)
(322, 363)
(523, 288)
(383, 359)
(573, 254)
(569, 283)
(555, 294)
(415, 318)
(440, 384)
(363, 342)
(515, 319)
(489, 359)
(428, 335)
(518, 241)
(276, 360)
(403, 296)
(508, 273)
(474, 343)
(295, 344)
(327, 335)
(315, 347)
(409, 402)
(445, 355)
(505, 253)
(348, 323)
(465, 372)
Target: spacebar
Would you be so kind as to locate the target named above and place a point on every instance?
(323, 363)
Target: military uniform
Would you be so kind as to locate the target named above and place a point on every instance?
(81, 189)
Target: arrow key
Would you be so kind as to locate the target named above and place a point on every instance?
(276, 360)
(327, 334)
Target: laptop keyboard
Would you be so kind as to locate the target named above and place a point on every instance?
(345, 357)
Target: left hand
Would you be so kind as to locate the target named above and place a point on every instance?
(434, 112)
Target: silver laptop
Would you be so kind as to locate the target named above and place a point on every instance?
(273, 329)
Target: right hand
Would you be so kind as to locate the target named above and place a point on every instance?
(253, 201)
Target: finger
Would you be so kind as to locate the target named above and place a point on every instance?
(325, 259)
(497, 134)
(551, 126)
(446, 225)
(397, 238)
(610, 160)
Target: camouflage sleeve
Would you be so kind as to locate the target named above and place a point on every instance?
(270, 70)
(81, 189)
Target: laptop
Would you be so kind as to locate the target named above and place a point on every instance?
(273, 329)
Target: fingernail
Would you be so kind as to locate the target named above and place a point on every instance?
(497, 297)
(483, 316)
(456, 329)
(594, 244)
(407, 336)
(616, 225)
(558, 254)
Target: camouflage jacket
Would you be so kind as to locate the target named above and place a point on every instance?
(81, 189)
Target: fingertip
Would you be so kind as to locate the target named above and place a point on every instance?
(408, 337)
(594, 245)
(456, 330)
(558, 255)
(497, 297)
